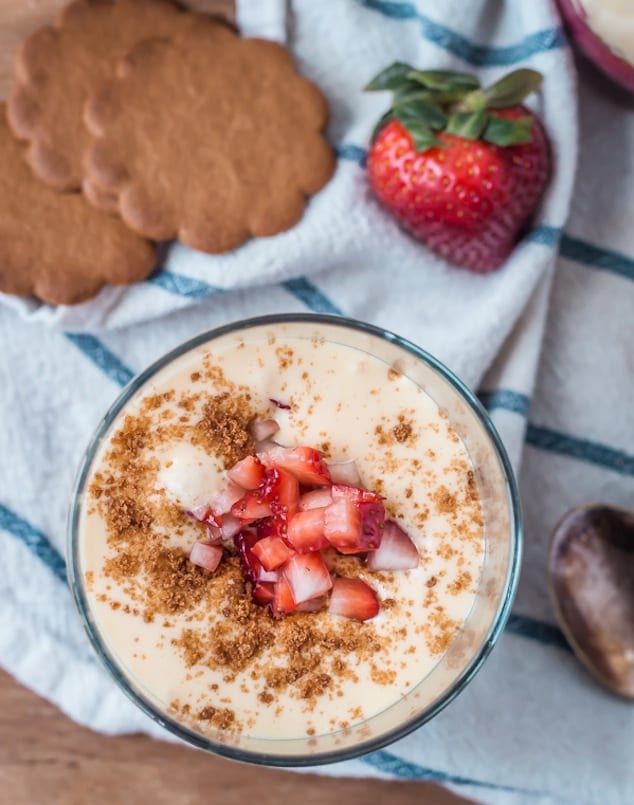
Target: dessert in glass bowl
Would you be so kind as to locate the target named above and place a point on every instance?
(604, 31)
(294, 539)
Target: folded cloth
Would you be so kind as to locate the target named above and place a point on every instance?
(528, 727)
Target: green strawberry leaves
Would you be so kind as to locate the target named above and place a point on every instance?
(392, 78)
(512, 89)
(419, 111)
(469, 125)
(502, 131)
(429, 101)
(444, 80)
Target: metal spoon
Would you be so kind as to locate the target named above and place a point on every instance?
(591, 580)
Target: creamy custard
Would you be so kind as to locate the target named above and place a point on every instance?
(192, 642)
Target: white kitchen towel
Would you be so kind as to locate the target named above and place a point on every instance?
(532, 726)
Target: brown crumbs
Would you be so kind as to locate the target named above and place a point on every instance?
(223, 429)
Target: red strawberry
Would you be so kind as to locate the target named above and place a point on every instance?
(305, 463)
(244, 542)
(248, 473)
(353, 598)
(307, 576)
(277, 495)
(306, 531)
(272, 552)
(462, 168)
(263, 593)
(354, 493)
(342, 525)
(283, 601)
(396, 551)
(317, 499)
(205, 556)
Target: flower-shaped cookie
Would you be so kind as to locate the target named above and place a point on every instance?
(59, 67)
(55, 245)
(209, 138)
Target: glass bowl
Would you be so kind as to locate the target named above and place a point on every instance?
(502, 531)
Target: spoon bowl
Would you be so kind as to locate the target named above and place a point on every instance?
(591, 580)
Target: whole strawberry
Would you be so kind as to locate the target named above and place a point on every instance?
(461, 167)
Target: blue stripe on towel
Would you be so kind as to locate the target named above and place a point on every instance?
(101, 356)
(479, 55)
(505, 399)
(34, 540)
(596, 257)
(180, 285)
(580, 449)
(352, 153)
(392, 764)
(311, 296)
(544, 234)
(540, 631)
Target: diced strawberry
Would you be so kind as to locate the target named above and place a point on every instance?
(215, 535)
(396, 551)
(285, 492)
(305, 463)
(272, 552)
(267, 575)
(342, 525)
(263, 429)
(230, 526)
(344, 472)
(277, 495)
(307, 576)
(244, 542)
(354, 493)
(206, 514)
(201, 513)
(225, 499)
(263, 593)
(283, 601)
(205, 556)
(312, 605)
(306, 531)
(353, 598)
(248, 473)
(372, 525)
(317, 499)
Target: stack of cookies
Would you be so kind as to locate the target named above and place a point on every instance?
(133, 121)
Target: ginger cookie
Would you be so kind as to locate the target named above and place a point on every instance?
(208, 138)
(54, 245)
(59, 67)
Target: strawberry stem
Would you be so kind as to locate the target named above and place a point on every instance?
(429, 101)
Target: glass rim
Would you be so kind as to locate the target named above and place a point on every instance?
(437, 705)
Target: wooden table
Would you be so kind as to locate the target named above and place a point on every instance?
(46, 759)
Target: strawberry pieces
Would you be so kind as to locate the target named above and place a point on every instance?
(353, 598)
(283, 601)
(395, 552)
(306, 531)
(263, 593)
(276, 495)
(316, 499)
(342, 525)
(308, 576)
(279, 535)
(205, 556)
(272, 552)
(354, 493)
(305, 463)
(248, 473)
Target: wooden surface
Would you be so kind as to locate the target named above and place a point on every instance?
(46, 759)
